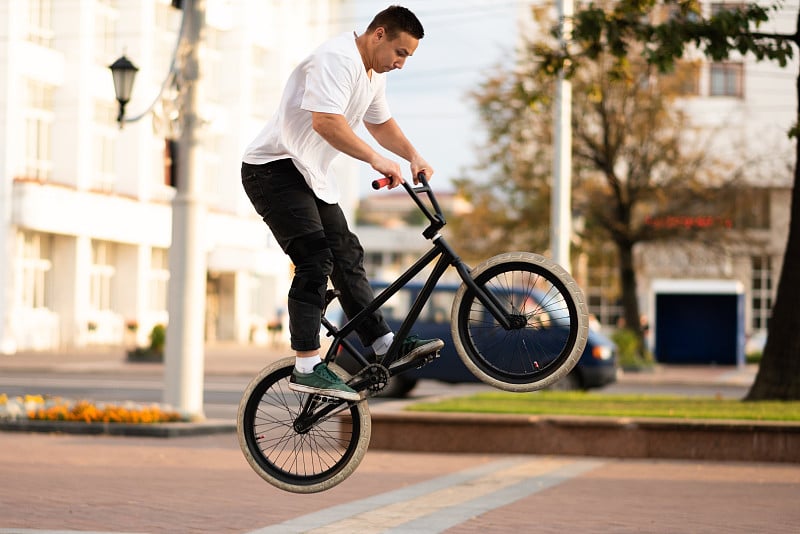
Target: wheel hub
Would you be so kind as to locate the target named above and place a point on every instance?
(518, 321)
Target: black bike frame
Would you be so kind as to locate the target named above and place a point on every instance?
(445, 256)
(314, 410)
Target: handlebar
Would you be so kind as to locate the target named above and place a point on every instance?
(436, 218)
(381, 182)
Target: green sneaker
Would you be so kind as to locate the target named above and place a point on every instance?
(322, 381)
(414, 348)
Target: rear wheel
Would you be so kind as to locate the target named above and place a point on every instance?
(549, 323)
(292, 456)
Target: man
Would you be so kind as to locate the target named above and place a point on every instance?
(285, 173)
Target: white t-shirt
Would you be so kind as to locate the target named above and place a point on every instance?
(331, 80)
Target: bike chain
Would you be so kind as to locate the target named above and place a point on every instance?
(376, 376)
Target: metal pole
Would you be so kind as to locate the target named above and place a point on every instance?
(561, 212)
(184, 350)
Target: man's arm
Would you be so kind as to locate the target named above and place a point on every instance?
(336, 131)
(392, 138)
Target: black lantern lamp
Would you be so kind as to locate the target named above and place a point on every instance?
(123, 72)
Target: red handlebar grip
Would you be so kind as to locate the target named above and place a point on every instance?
(381, 182)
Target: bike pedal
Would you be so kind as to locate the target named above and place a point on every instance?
(428, 359)
(333, 400)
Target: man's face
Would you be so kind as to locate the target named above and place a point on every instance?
(392, 54)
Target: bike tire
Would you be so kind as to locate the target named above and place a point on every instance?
(306, 462)
(552, 329)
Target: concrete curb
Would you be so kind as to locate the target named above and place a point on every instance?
(719, 440)
(607, 437)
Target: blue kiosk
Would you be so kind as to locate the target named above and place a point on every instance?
(698, 321)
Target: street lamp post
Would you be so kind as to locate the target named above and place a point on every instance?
(184, 348)
(124, 73)
(561, 212)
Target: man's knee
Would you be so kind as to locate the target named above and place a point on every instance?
(313, 262)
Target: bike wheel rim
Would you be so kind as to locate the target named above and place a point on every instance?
(529, 357)
(297, 459)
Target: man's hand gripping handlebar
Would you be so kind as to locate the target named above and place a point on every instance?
(383, 182)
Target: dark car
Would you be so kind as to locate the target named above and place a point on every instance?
(597, 366)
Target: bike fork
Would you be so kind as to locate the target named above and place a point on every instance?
(485, 297)
(317, 408)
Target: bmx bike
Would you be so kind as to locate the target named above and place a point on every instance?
(519, 323)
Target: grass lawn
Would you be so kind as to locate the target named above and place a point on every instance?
(611, 405)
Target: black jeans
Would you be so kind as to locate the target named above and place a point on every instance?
(316, 237)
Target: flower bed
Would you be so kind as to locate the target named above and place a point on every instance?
(47, 408)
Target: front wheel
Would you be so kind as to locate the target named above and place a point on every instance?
(295, 457)
(548, 317)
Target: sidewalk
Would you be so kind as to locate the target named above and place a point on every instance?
(710, 374)
(246, 360)
(220, 359)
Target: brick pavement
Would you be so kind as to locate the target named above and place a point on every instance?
(203, 485)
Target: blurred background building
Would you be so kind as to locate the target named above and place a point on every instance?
(85, 216)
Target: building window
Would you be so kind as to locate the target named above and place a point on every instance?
(718, 7)
(761, 293)
(104, 32)
(159, 279)
(264, 82)
(259, 296)
(35, 270)
(167, 23)
(213, 169)
(753, 209)
(373, 263)
(687, 78)
(602, 292)
(40, 22)
(212, 65)
(726, 79)
(39, 114)
(105, 134)
(101, 276)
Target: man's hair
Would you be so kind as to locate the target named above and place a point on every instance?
(396, 19)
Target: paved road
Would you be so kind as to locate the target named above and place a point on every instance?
(203, 484)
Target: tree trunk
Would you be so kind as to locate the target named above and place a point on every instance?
(630, 302)
(779, 373)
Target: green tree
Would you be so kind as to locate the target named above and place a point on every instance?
(635, 162)
(626, 29)
(510, 198)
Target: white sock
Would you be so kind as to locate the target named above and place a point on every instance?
(306, 365)
(381, 345)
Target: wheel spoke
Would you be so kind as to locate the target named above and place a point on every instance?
(544, 316)
(301, 460)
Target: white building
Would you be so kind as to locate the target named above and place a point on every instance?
(85, 214)
(750, 107)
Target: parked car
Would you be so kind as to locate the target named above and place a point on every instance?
(597, 366)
